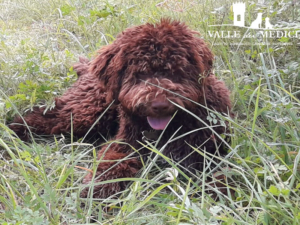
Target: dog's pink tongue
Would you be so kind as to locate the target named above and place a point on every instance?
(158, 123)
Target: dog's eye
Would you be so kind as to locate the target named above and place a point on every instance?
(142, 76)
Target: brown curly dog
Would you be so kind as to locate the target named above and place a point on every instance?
(158, 81)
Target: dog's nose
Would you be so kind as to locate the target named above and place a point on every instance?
(158, 107)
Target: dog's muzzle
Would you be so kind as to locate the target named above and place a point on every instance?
(161, 114)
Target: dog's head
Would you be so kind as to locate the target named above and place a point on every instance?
(148, 65)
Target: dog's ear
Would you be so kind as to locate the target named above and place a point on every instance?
(107, 66)
(203, 56)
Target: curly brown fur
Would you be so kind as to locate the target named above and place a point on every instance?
(147, 72)
(82, 104)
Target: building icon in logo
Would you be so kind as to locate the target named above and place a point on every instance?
(239, 9)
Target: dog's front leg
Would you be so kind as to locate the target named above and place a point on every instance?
(113, 164)
(36, 121)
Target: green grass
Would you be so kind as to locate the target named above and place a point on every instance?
(39, 183)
